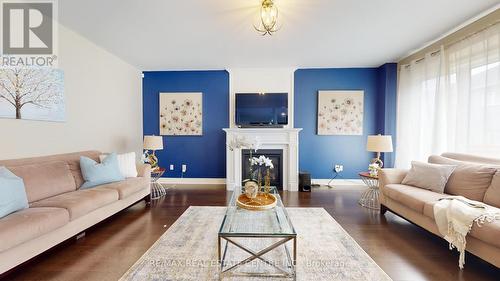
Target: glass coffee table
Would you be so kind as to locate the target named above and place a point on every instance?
(268, 230)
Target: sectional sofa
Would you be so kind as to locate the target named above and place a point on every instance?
(476, 178)
(58, 210)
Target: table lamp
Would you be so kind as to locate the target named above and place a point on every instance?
(379, 144)
(153, 143)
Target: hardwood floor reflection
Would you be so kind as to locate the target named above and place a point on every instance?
(402, 250)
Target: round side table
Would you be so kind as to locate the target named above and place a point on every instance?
(369, 198)
(157, 190)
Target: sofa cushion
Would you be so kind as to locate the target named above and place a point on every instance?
(12, 193)
(428, 176)
(28, 224)
(73, 160)
(44, 180)
(410, 196)
(96, 174)
(469, 179)
(126, 164)
(492, 195)
(80, 202)
(488, 232)
(129, 186)
(471, 158)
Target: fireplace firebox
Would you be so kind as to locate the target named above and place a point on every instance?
(276, 156)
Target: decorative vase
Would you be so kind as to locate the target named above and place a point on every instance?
(267, 182)
(259, 179)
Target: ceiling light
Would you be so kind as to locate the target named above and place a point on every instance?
(268, 18)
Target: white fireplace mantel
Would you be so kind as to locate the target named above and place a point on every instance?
(286, 139)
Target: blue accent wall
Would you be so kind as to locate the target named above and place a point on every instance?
(205, 156)
(319, 154)
(387, 107)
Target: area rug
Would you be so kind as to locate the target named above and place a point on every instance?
(187, 251)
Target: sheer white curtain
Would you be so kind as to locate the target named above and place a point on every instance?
(450, 101)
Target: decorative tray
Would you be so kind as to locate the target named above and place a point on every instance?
(259, 203)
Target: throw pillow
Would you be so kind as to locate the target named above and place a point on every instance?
(428, 176)
(96, 174)
(492, 195)
(126, 164)
(12, 193)
(470, 180)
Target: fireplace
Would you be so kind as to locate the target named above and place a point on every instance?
(276, 155)
(284, 139)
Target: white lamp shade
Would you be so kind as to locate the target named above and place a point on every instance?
(379, 143)
(153, 142)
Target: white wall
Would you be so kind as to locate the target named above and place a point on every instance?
(103, 96)
(261, 80)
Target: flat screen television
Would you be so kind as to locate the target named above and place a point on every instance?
(261, 110)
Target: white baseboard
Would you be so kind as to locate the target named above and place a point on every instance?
(223, 181)
(337, 181)
(192, 180)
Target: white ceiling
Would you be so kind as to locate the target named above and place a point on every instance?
(218, 34)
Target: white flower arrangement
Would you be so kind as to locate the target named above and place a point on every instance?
(261, 161)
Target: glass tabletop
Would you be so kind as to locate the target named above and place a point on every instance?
(242, 222)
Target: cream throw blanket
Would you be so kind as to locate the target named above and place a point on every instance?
(455, 217)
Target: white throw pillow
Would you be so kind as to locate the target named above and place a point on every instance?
(429, 176)
(126, 163)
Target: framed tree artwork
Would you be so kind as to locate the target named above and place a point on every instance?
(32, 93)
(340, 112)
(181, 114)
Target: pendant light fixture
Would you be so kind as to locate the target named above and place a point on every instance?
(268, 18)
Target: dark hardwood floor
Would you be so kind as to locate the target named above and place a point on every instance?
(402, 250)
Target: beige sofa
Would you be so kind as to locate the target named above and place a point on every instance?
(58, 209)
(416, 204)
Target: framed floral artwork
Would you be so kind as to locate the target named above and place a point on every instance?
(181, 114)
(340, 112)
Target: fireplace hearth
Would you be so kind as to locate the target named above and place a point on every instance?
(276, 155)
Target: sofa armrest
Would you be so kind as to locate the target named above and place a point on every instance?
(391, 176)
(144, 170)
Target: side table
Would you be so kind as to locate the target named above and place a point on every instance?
(157, 190)
(369, 198)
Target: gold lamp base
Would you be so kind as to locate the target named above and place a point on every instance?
(378, 161)
(153, 160)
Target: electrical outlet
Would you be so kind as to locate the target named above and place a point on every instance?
(339, 168)
(171, 167)
(184, 168)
